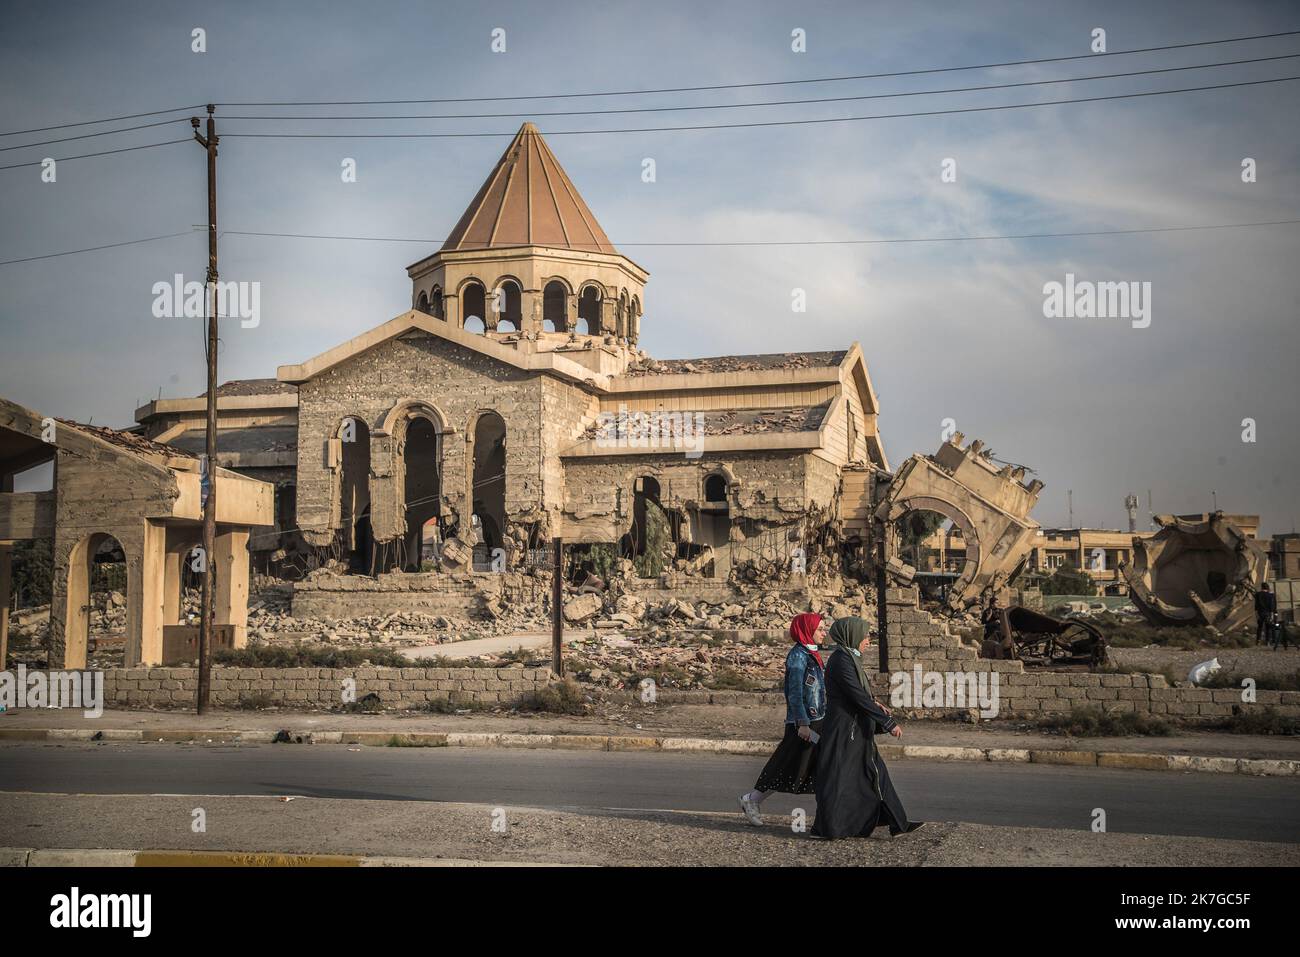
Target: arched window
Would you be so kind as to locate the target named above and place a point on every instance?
(589, 310)
(422, 304)
(507, 306)
(555, 307)
(715, 488)
(474, 306)
(422, 486)
(354, 494)
(435, 304)
(488, 481)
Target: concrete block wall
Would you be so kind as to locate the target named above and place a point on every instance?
(915, 638)
(397, 688)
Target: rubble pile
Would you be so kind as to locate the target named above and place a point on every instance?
(679, 659)
(269, 620)
(739, 644)
(644, 364)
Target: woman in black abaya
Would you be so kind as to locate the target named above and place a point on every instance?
(854, 793)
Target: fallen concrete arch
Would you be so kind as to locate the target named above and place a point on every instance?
(990, 505)
(1196, 573)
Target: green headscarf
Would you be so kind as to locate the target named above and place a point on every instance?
(846, 634)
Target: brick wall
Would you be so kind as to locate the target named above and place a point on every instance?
(321, 687)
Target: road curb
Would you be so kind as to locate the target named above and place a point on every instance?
(100, 857)
(1130, 760)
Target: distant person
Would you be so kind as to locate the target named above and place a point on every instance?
(790, 768)
(1265, 616)
(854, 793)
(997, 640)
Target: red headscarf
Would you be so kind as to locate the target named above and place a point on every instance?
(804, 630)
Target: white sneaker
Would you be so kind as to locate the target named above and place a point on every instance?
(751, 811)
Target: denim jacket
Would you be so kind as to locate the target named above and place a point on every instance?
(805, 688)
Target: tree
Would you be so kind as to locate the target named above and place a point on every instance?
(1068, 580)
(913, 530)
(658, 535)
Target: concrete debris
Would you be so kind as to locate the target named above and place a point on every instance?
(582, 608)
(645, 365)
(1196, 573)
(989, 504)
(688, 658)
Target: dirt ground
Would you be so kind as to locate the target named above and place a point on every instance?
(1259, 660)
(643, 838)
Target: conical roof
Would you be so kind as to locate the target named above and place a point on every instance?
(528, 200)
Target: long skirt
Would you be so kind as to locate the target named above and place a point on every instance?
(791, 767)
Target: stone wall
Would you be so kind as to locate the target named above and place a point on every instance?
(769, 487)
(458, 383)
(397, 688)
(916, 639)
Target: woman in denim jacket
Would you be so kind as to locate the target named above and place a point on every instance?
(790, 769)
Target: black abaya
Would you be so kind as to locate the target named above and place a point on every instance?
(854, 793)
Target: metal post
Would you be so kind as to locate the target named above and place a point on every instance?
(882, 611)
(207, 613)
(557, 609)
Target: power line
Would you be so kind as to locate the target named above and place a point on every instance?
(740, 243)
(124, 149)
(735, 106)
(683, 89)
(873, 96)
(740, 86)
(819, 242)
(125, 129)
(108, 119)
(91, 249)
(769, 123)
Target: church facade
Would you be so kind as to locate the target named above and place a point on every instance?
(511, 404)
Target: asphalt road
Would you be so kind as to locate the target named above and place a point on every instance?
(1141, 802)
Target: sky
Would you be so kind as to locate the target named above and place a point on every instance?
(1100, 407)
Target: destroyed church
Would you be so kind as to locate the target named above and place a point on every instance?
(512, 405)
(416, 463)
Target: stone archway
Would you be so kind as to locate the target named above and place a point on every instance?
(80, 589)
(486, 490)
(927, 503)
(421, 488)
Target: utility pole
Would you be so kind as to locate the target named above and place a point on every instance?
(882, 590)
(1070, 493)
(209, 479)
(557, 609)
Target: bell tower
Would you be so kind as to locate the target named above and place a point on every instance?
(528, 259)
